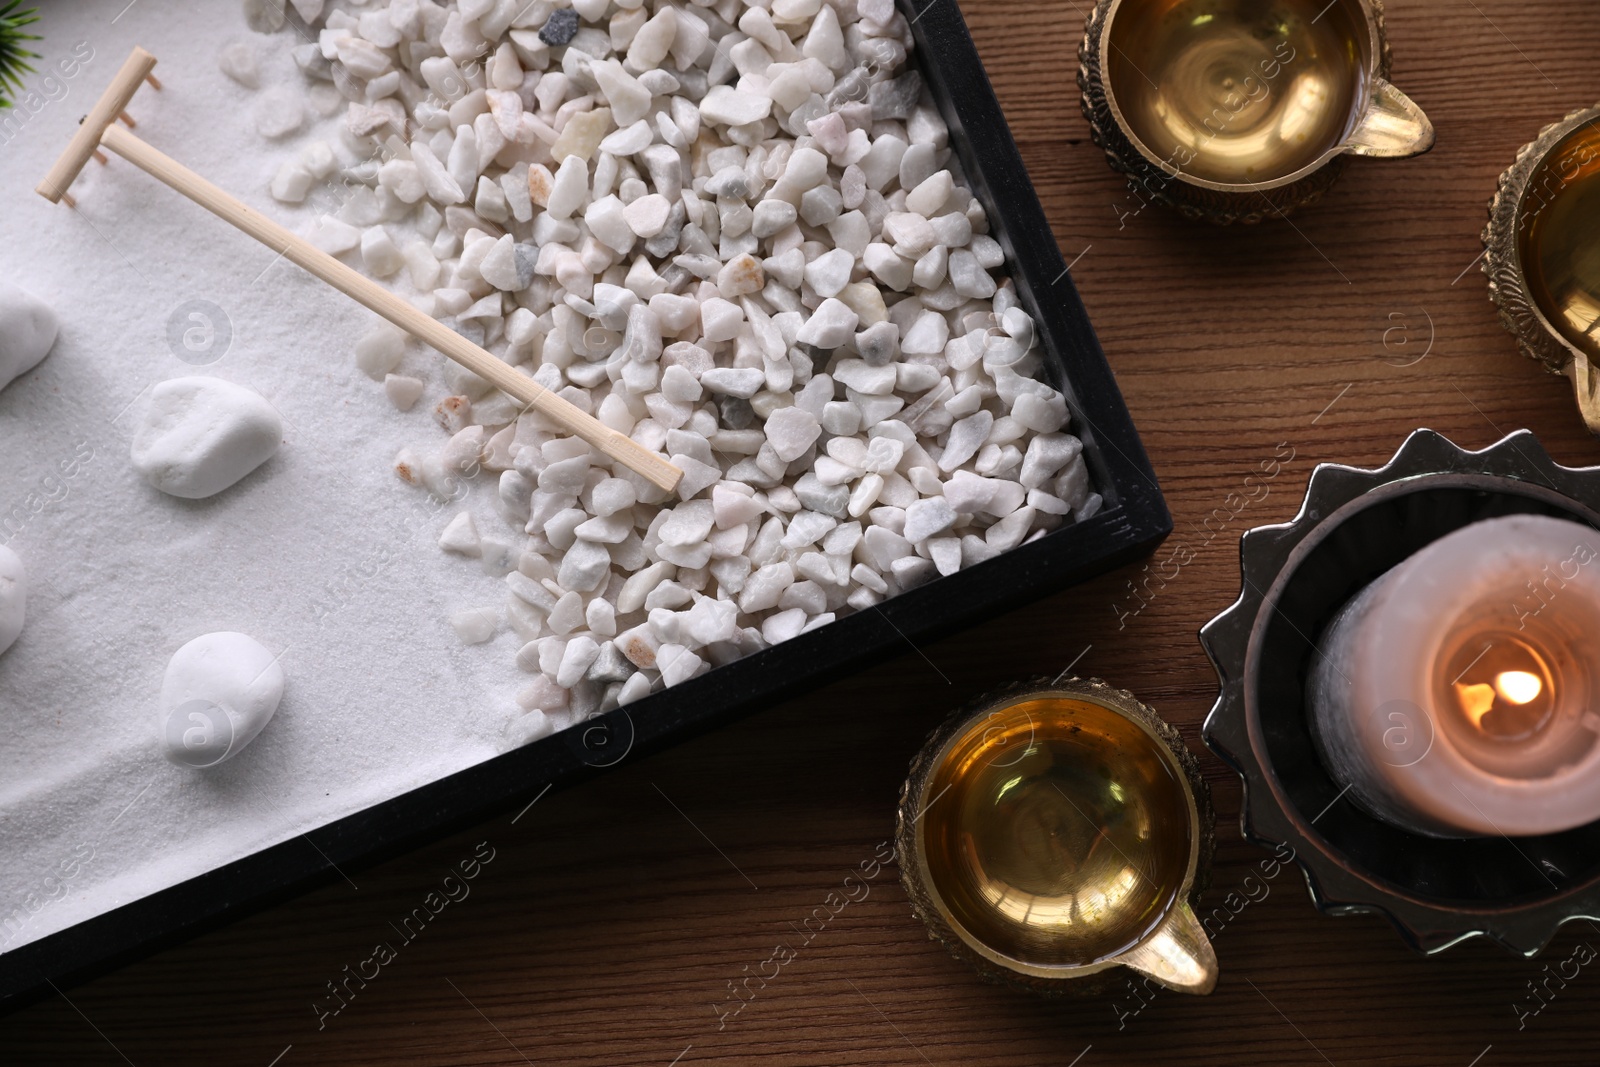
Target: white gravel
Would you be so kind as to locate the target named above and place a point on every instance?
(734, 231)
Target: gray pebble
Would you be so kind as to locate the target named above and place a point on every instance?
(737, 414)
(896, 99)
(664, 243)
(526, 257)
(878, 343)
(610, 666)
(561, 28)
(828, 499)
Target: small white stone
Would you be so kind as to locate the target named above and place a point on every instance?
(291, 183)
(613, 495)
(474, 626)
(741, 276)
(636, 688)
(461, 536)
(926, 518)
(576, 658)
(791, 431)
(927, 336)
(966, 437)
(28, 329)
(733, 508)
(13, 597)
(677, 664)
(720, 319)
(403, 391)
(567, 614)
(1039, 414)
(688, 523)
(238, 61)
(631, 140)
(647, 216)
(946, 554)
(570, 188)
(731, 381)
(333, 236)
(863, 377)
(379, 351)
(969, 277)
(218, 693)
(601, 618)
(654, 40)
(724, 105)
(765, 587)
(832, 325)
(379, 253)
(830, 272)
(629, 100)
(279, 113)
(783, 626)
(584, 566)
(198, 436)
(435, 178)
(928, 198)
(773, 216)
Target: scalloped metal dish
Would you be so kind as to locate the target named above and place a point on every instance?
(1435, 894)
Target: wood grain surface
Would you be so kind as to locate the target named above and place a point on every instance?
(613, 916)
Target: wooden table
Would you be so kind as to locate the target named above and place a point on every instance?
(608, 926)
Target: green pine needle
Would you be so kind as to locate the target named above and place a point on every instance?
(14, 55)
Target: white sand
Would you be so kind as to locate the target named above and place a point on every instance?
(122, 575)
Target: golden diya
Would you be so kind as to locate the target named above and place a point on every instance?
(1543, 252)
(1240, 110)
(1052, 831)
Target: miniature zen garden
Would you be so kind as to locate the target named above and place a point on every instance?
(734, 232)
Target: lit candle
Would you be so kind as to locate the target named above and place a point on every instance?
(1455, 695)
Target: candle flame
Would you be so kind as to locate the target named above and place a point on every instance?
(1476, 700)
(1518, 687)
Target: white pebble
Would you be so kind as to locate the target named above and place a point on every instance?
(647, 216)
(238, 61)
(677, 664)
(279, 113)
(830, 272)
(791, 431)
(474, 626)
(28, 330)
(403, 391)
(379, 351)
(926, 518)
(929, 197)
(198, 436)
(461, 536)
(832, 325)
(218, 692)
(13, 597)
(724, 105)
(576, 658)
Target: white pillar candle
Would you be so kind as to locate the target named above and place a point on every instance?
(1456, 695)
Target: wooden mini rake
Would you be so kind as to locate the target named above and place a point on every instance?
(99, 130)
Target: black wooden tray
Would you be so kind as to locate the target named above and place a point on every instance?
(1132, 522)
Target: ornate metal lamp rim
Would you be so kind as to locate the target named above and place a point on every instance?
(1373, 11)
(1508, 280)
(930, 906)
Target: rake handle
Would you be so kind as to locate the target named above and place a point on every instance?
(365, 291)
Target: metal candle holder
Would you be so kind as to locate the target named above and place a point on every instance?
(1234, 111)
(1547, 170)
(1355, 524)
(1053, 830)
